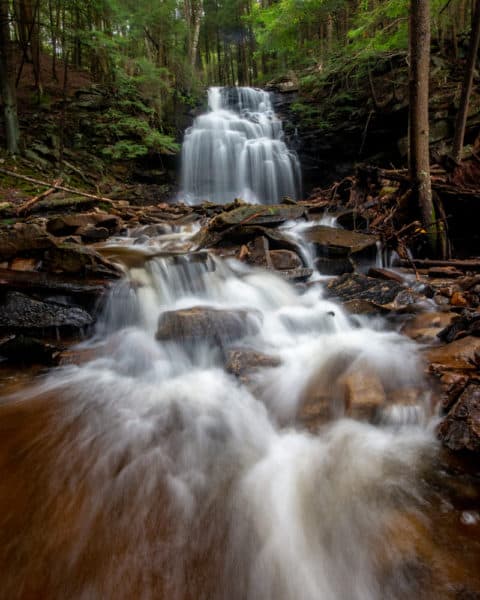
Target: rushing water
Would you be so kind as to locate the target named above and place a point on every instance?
(236, 150)
(151, 472)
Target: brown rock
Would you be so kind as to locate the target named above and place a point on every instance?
(241, 361)
(80, 260)
(460, 430)
(452, 385)
(333, 242)
(444, 272)
(458, 299)
(387, 274)
(425, 327)
(23, 239)
(25, 264)
(285, 259)
(364, 394)
(459, 355)
(204, 324)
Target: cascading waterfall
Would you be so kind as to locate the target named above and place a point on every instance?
(163, 476)
(236, 150)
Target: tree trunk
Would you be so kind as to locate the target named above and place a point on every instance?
(7, 82)
(419, 160)
(467, 85)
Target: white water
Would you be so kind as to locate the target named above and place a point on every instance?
(236, 150)
(164, 433)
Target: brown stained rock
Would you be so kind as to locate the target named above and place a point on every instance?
(257, 215)
(425, 327)
(460, 430)
(71, 224)
(285, 260)
(355, 286)
(452, 385)
(364, 394)
(24, 239)
(315, 411)
(204, 324)
(79, 260)
(332, 242)
(90, 233)
(458, 299)
(460, 355)
(461, 326)
(241, 361)
(25, 264)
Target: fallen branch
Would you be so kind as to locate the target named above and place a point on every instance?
(55, 187)
(27, 205)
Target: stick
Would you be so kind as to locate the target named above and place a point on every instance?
(26, 206)
(55, 187)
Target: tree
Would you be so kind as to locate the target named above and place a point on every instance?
(7, 82)
(418, 126)
(462, 114)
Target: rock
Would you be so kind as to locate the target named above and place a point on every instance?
(21, 313)
(461, 355)
(204, 324)
(332, 242)
(458, 299)
(364, 307)
(334, 266)
(460, 430)
(72, 224)
(285, 260)
(25, 264)
(452, 385)
(461, 326)
(23, 239)
(355, 286)
(364, 394)
(296, 274)
(241, 361)
(425, 327)
(90, 233)
(22, 349)
(60, 202)
(254, 214)
(80, 260)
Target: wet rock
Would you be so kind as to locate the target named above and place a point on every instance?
(461, 326)
(204, 324)
(332, 242)
(241, 361)
(334, 266)
(257, 215)
(452, 385)
(80, 260)
(22, 349)
(444, 272)
(21, 313)
(296, 274)
(425, 327)
(90, 233)
(315, 410)
(386, 274)
(23, 239)
(364, 307)
(460, 430)
(285, 260)
(462, 354)
(364, 394)
(458, 299)
(73, 224)
(360, 287)
(25, 264)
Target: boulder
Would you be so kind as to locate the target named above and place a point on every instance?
(460, 430)
(425, 327)
(73, 224)
(80, 260)
(254, 214)
(24, 239)
(461, 326)
(364, 394)
(23, 349)
(285, 260)
(332, 242)
(21, 313)
(334, 266)
(90, 233)
(355, 286)
(205, 324)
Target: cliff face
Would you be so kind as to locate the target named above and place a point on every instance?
(337, 121)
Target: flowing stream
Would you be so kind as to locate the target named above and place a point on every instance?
(151, 471)
(236, 150)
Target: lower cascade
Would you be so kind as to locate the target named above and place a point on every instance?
(236, 150)
(181, 458)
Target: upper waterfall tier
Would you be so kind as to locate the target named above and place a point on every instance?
(236, 150)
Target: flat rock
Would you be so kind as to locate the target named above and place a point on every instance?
(334, 242)
(79, 260)
(255, 214)
(364, 394)
(462, 354)
(354, 286)
(425, 327)
(460, 430)
(205, 324)
(23, 239)
(285, 260)
(19, 313)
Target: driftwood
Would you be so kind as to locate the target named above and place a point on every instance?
(55, 187)
(27, 205)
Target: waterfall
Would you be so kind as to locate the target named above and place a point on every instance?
(236, 150)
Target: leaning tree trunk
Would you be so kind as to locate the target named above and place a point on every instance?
(418, 128)
(462, 114)
(7, 82)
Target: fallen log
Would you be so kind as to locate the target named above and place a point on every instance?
(425, 263)
(27, 205)
(55, 187)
